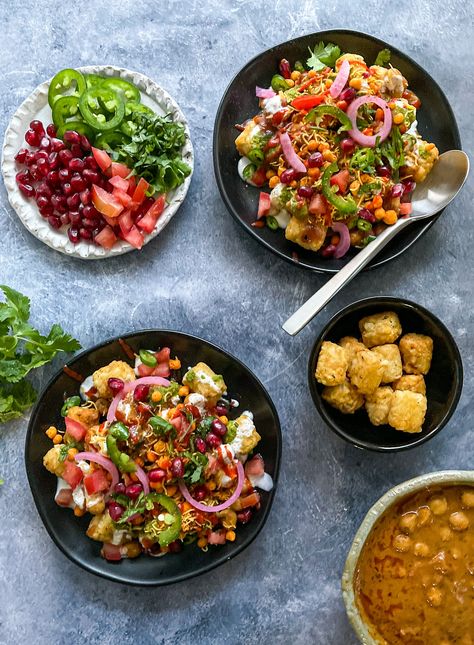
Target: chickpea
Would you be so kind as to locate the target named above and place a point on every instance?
(408, 522)
(424, 516)
(455, 553)
(434, 596)
(401, 542)
(459, 521)
(438, 505)
(421, 550)
(445, 533)
(468, 499)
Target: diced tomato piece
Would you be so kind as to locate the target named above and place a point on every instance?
(264, 204)
(111, 552)
(122, 196)
(148, 222)
(247, 502)
(163, 355)
(308, 101)
(103, 159)
(63, 497)
(259, 177)
(134, 237)
(96, 483)
(119, 170)
(75, 429)
(139, 193)
(118, 182)
(132, 184)
(255, 466)
(144, 370)
(317, 205)
(177, 422)
(125, 221)
(162, 369)
(406, 208)
(106, 237)
(72, 474)
(216, 537)
(341, 179)
(106, 203)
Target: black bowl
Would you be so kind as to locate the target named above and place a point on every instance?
(68, 531)
(436, 123)
(443, 381)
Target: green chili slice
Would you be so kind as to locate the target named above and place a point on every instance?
(256, 156)
(102, 108)
(70, 402)
(364, 225)
(119, 430)
(119, 85)
(331, 110)
(66, 82)
(299, 67)
(249, 171)
(342, 204)
(64, 109)
(111, 139)
(123, 461)
(272, 223)
(160, 426)
(279, 83)
(147, 358)
(171, 533)
(92, 80)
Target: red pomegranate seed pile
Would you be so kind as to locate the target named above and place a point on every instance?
(59, 175)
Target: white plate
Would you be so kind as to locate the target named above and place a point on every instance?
(36, 107)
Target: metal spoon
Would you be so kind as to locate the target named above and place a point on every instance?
(435, 193)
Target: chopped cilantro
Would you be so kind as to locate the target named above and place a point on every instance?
(323, 56)
(383, 57)
(231, 432)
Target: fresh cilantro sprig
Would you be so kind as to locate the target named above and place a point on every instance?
(323, 56)
(22, 349)
(383, 57)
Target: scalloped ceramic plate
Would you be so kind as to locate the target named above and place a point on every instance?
(36, 107)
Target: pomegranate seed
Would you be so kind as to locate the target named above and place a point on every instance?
(46, 211)
(244, 516)
(287, 176)
(91, 163)
(30, 158)
(43, 189)
(141, 392)
(348, 94)
(27, 190)
(156, 475)
(90, 212)
(85, 233)
(384, 171)
(55, 222)
(75, 218)
(41, 154)
(32, 138)
(67, 189)
(58, 201)
(73, 202)
(397, 190)
(200, 445)
(42, 201)
(133, 490)
(52, 177)
(51, 130)
(57, 145)
(364, 213)
(285, 69)
(91, 176)
(408, 186)
(200, 493)
(347, 146)
(53, 160)
(65, 219)
(37, 127)
(64, 175)
(65, 156)
(72, 137)
(23, 177)
(328, 251)
(177, 468)
(20, 156)
(85, 143)
(120, 488)
(116, 510)
(43, 166)
(116, 385)
(35, 173)
(73, 235)
(76, 150)
(305, 191)
(76, 165)
(218, 427)
(213, 441)
(77, 183)
(45, 143)
(315, 160)
(85, 197)
(175, 547)
(89, 223)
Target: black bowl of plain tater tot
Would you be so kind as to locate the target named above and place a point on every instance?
(385, 374)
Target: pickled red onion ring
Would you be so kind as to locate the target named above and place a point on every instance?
(264, 93)
(214, 509)
(290, 154)
(340, 80)
(344, 241)
(105, 462)
(143, 479)
(129, 387)
(356, 134)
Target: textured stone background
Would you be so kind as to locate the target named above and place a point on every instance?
(200, 275)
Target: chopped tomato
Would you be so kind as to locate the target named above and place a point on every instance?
(341, 179)
(162, 369)
(106, 237)
(177, 422)
(406, 208)
(139, 193)
(118, 182)
(97, 482)
(148, 222)
(125, 221)
(317, 205)
(264, 204)
(119, 170)
(134, 237)
(103, 160)
(247, 502)
(255, 466)
(122, 196)
(75, 429)
(72, 474)
(106, 203)
(259, 177)
(308, 101)
(111, 552)
(64, 497)
(132, 181)
(163, 355)
(144, 370)
(216, 537)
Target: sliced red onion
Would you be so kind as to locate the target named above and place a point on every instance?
(129, 387)
(290, 154)
(340, 80)
(264, 93)
(345, 239)
(356, 134)
(105, 462)
(221, 507)
(143, 479)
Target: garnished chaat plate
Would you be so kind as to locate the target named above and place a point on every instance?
(319, 143)
(97, 160)
(153, 457)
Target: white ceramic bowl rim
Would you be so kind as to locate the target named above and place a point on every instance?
(390, 497)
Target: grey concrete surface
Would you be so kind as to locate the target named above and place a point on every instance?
(204, 275)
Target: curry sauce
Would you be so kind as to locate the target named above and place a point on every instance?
(414, 581)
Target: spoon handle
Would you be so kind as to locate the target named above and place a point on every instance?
(311, 307)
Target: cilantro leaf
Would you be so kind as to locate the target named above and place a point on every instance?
(323, 56)
(16, 303)
(383, 57)
(15, 399)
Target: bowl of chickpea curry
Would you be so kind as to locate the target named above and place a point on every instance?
(408, 578)
(385, 374)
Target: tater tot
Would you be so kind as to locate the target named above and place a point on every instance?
(411, 382)
(378, 405)
(407, 412)
(351, 346)
(343, 397)
(380, 329)
(366, 370)
(417, 352)
(332, 364)
(390, 354)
